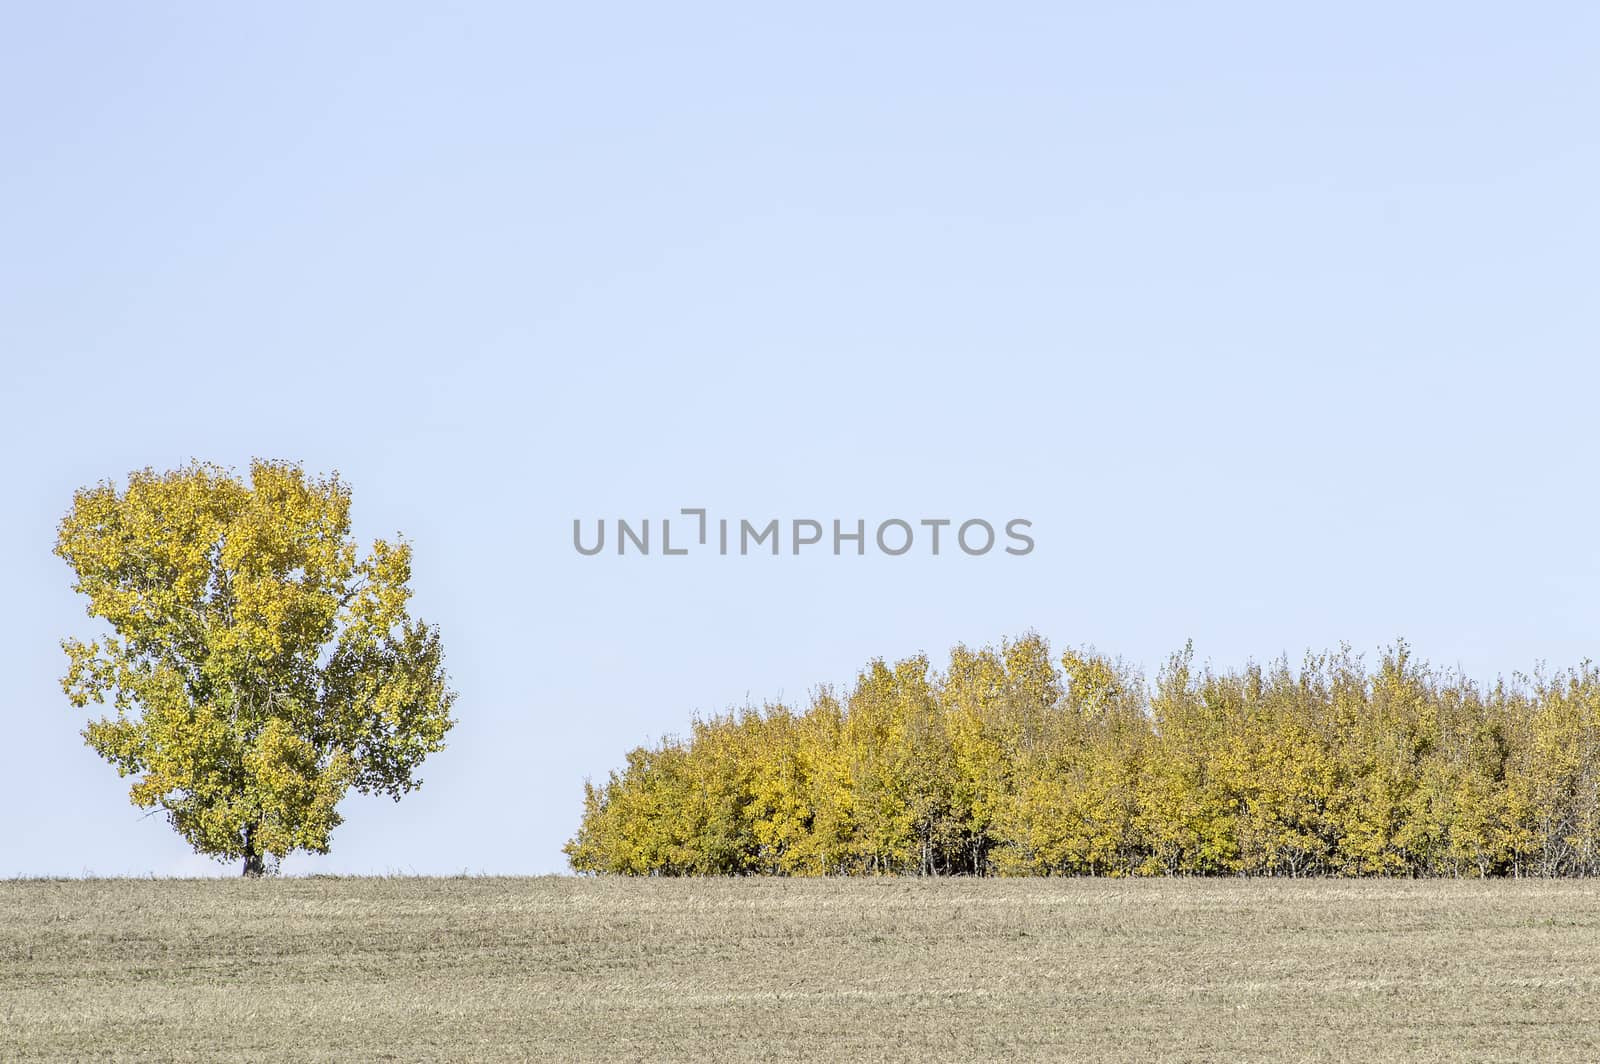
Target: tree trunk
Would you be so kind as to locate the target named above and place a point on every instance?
(255, 862)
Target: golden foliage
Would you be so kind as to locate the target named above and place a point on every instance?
(256, 666)
(1010, 762)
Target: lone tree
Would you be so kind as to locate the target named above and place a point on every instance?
(258, 668)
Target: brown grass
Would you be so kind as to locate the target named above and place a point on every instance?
(762, 969)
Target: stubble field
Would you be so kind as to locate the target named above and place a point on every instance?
(764, 969)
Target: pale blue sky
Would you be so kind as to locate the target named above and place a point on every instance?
(1281, 327)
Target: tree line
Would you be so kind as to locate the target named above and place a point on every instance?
(1010, 761)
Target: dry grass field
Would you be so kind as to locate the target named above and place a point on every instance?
(762, 969)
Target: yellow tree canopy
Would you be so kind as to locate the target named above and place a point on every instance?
(1012, 762)
(257, 667)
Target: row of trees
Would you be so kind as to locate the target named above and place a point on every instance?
(1010, 762)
